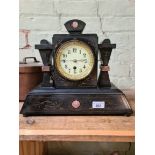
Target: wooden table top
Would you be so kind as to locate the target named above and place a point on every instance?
(78, 128)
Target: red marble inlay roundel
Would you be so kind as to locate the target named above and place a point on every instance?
(74, 24)
(75, 104)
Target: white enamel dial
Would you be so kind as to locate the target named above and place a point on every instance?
(74, 60)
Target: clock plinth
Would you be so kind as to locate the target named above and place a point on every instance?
(70, 85)
(94, 101)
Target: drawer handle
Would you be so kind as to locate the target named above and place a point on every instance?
(34, 59)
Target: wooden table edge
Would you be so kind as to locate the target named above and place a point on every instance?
(77, 135)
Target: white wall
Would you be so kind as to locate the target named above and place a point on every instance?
(113, 19)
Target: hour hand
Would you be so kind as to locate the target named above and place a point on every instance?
(64, 60)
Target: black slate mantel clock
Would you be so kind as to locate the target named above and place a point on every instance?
(70, 85)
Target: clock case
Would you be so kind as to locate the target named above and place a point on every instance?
(91, 79)
(57, 95)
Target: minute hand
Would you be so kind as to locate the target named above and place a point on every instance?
(82, 60)
(75, 60)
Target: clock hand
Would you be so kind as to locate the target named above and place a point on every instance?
(67, 60)
(82, 60)
(75, 60)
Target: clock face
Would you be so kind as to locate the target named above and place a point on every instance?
(74, 60)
